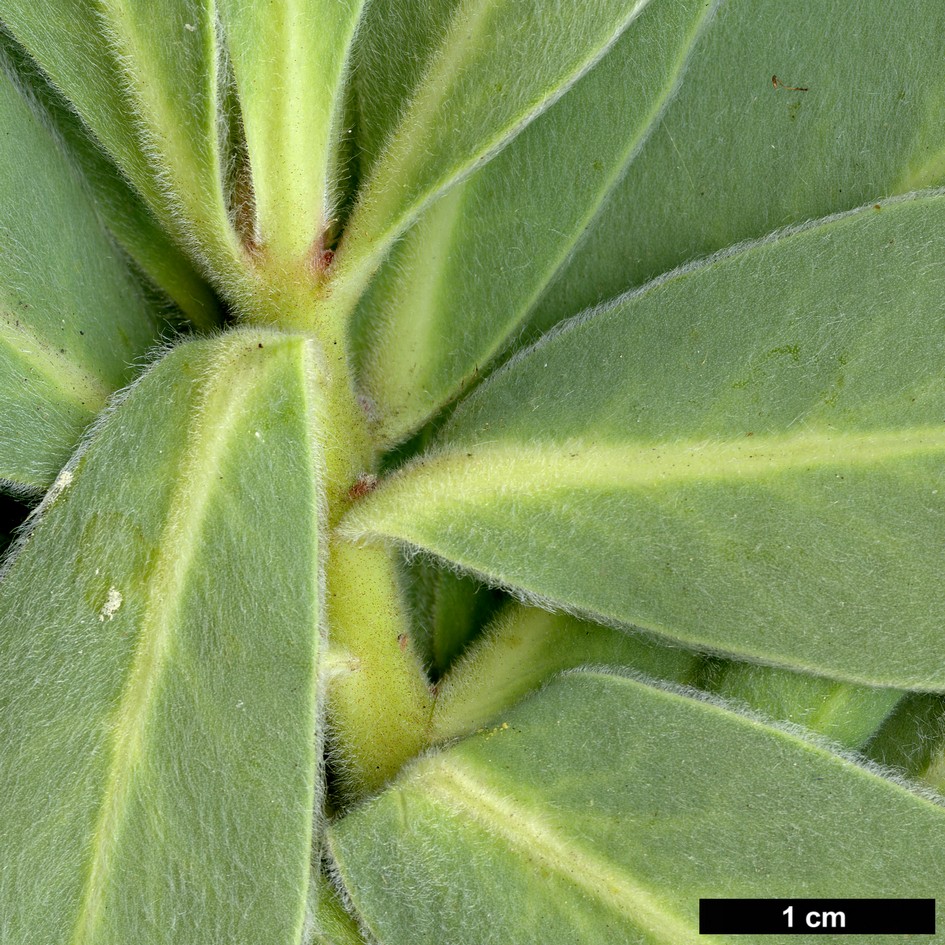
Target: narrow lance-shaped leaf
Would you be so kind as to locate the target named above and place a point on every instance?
(391, 55)
(290, 62)
(497, 65)
(745, 456)
(449, 609)
(458, 286)
(603, 808)
(524, 647)
(327, 922)
(912, 739)
(122, 209)
(789, 112)
(847, 714)
(72, 316)
(159, 639)
(149, 80)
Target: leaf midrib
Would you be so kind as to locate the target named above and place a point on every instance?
(377, 213)
(504, 469)
(225, 399)
(457, 785)
(86, 388)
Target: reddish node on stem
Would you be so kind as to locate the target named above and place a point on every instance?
(363, 485)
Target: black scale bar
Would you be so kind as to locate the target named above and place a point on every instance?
(817, 916)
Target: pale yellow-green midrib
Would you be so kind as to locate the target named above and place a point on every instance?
(457, 786)
(507, 470)
(225, 400)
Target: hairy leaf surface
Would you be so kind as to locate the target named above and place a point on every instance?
(789, 112)
(493, 69)
(159, 637)
(459, 284)
(121, 207)
(150, 81)
(603, 808)
(744, 456)
(72, 317)
(289, 60)
(524, 647)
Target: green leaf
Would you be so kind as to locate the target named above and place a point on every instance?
(150, 82)
(494, 68)
(159, 638)
(912, 739)
(846, 714)
(72, 316)
(458, 286)
(289, 61)
(737, 156)
(121, 208)
(603, 808)
(326, 922)
(745, 456)
(524, 647)
(449, 610)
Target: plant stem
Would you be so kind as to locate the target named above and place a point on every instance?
(379, 701)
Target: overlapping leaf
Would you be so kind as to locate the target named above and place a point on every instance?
(744, 456)
(150, 82)
(490, 71)
(524, 647)
(789, 112)
(845, 713)
(72, 317)
(602, 809)
(289, 62)
(159, 638)
(457, 287)
(120, 206)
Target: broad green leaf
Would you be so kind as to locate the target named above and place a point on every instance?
(745, 456)
(289, 62)
(524, 647)
(495, 67)
(124, 212)
(72, 316)
(159, 638)
(149, 81)
(458, 286)
(845, 713)
(603, 808)
(857, 114)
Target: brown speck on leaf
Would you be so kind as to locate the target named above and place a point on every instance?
(778, 84)
(402, 642)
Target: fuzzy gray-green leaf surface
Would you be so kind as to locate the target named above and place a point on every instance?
(72, 316)
(159, 638)
(457, 287)
(788, 112)
(745, 456)
(603, 808)
(494, 68)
